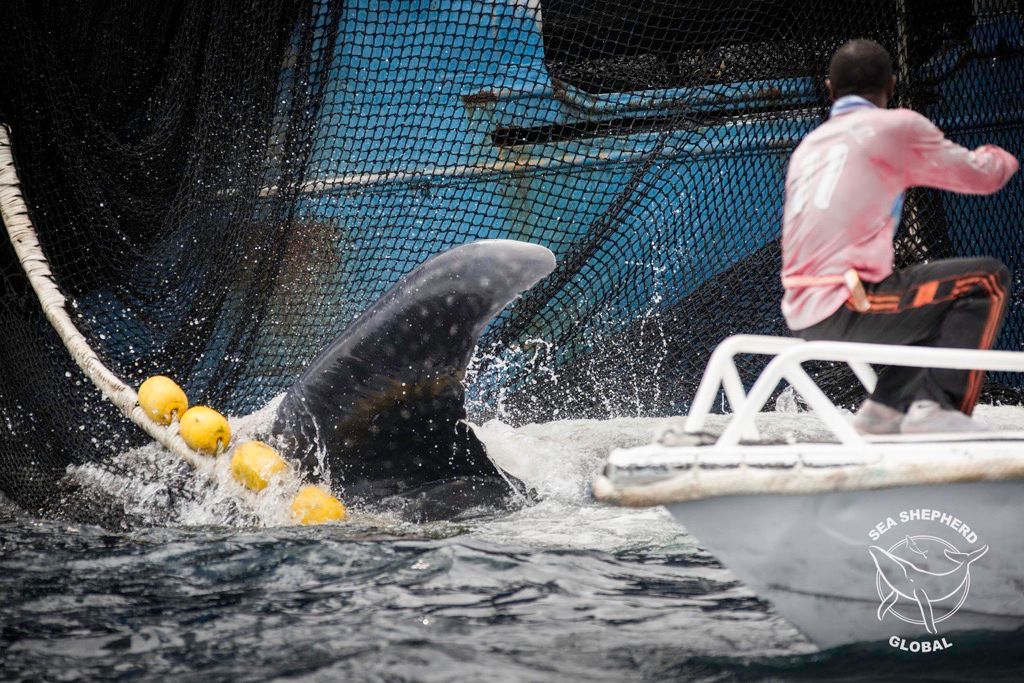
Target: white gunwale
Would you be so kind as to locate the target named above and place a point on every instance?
(661, 474)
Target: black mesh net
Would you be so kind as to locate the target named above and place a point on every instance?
(222, 187)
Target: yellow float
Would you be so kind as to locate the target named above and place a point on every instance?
(205, 430)
(162, 399)
(313, 505)
(254, 463)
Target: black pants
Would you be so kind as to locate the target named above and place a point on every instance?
(957, 303)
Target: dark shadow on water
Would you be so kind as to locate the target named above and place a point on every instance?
(974, 656)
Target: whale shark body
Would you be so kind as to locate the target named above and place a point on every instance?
(379, 413)
(906, 580)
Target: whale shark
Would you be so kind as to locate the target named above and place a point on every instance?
(906, 580)
(379, 413)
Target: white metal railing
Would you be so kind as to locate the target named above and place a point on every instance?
(789, 355)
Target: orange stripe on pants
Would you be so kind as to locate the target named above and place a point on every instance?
(925, 293)
(997, 302)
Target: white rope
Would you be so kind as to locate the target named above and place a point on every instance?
(26, 245)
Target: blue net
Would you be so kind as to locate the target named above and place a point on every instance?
(222, 187)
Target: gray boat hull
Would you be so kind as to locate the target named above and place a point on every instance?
(809, 556)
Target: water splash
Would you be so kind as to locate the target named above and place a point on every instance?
(494, 374)
(155, 487)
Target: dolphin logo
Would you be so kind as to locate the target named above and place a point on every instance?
(906, 580)
(912, 547)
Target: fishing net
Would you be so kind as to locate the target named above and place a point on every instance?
(220, 188)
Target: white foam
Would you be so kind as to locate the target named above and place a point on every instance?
(558, 459)
(159, 488)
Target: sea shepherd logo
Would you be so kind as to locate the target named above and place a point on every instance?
(923, 579)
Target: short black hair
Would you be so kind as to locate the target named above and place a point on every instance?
(859, 67)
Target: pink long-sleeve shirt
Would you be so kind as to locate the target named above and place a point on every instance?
(844, 196)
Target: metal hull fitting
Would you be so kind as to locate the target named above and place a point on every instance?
(809, 556)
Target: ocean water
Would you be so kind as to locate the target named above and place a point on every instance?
(563, 590)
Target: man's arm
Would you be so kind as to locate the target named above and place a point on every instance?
(934, 161)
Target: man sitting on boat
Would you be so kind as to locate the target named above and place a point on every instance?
(844, 195)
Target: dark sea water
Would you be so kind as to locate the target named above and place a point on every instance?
(81, 603)
(563, 590)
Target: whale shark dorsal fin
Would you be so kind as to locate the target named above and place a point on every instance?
(887, 602)
(382, 406)
(926, 610)
(966, 558)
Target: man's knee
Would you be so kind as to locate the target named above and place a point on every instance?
(1003, 275)
(997, 268)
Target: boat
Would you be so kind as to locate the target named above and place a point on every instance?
(909, 539)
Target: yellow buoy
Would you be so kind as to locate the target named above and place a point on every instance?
(254, 463)
(205, 430)
(313, 505)
(162, 399)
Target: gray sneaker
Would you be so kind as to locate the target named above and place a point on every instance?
(928, 417)
(877, 418)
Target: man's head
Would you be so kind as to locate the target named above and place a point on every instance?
(861, 67)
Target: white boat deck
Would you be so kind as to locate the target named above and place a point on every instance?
(839, 531)
(726, 455)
